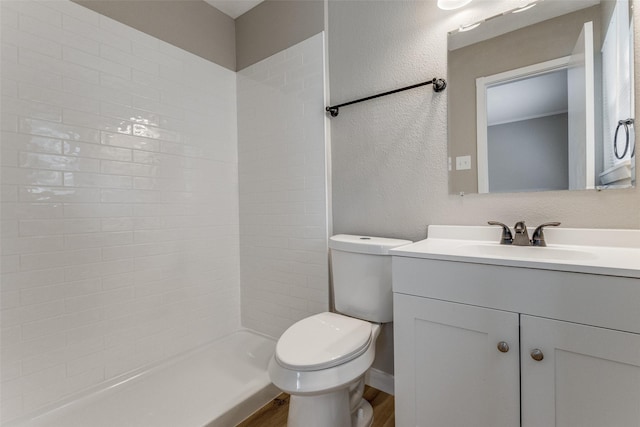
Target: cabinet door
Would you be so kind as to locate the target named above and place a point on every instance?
(448, 369)
(588, 377)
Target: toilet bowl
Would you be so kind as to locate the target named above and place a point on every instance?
(321, 360)
(325, 378)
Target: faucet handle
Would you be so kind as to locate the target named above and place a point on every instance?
(507, 237)
(520, 227)
(537, 239)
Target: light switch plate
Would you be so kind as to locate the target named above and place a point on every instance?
(463, 163)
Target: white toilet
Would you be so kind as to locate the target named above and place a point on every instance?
(321, 360)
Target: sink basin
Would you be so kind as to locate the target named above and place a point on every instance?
(525, 252)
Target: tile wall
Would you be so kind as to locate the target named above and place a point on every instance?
(119, 202)
(283, 195)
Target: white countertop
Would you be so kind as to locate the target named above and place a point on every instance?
(592, 251)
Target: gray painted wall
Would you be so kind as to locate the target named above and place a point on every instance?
(389, 155)
(529, 155)
(192, 25)
(275, 25)
(203, 30)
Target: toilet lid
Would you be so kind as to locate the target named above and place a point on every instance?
(322, 341)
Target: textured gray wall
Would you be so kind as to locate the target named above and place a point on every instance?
(529, 155)
(389, 155)
(192, 25)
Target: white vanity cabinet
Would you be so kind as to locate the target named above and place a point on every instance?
(449, 371)
(452, 319)
(588, 376)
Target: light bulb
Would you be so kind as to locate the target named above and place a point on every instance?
(452, 4)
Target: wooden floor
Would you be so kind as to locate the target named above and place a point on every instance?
(274, 413)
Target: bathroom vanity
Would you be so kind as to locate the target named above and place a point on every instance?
(491, 335)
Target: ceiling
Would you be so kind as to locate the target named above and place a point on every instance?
(528, 98)
(234, 8)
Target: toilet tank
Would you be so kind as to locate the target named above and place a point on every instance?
(361, 272)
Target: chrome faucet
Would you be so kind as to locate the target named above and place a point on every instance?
(522, 235)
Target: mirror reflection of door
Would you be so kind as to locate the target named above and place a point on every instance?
(536, 126)
(523, 129)
(527, 134)
(581, 96)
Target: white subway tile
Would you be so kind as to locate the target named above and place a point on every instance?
(10, 175)
(94, 62)
(31, 143)
(9, 299)
(9, 18)
(8, 121)
(32, 109)
(60, 355)
(157, 107)
(97, 151)
(126, 141)
(118, 96)
(24, 74)
(22, 245)
(96, 210)
(129, 60)
(57, 130)
(128, 113)
(41, 227)
(33, 42)
(128, 169)
(35, 10)
(79, 179)
(41, 161)
(117, 224)
(47, 64)
(30, 313)
(58, 194)
(9, 54)
(34, 26)
(81, 13)
(94, 240)
(104, 216)
(124, 85)
(63, 290)
(31, 279)
(130, 196)
(57, 98)
(88, 271)
(88, 29)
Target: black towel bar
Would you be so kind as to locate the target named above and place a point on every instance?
(438, 86)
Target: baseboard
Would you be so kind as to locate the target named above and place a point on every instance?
(381, 380)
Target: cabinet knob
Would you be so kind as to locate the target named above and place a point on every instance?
(537, 355)
(503, 346)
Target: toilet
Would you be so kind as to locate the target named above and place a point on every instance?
(321, 360)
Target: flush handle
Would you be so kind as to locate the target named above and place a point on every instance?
(537, 355)
(503, 347)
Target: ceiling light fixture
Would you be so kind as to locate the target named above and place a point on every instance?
(452, 4)
(523, 8)
(468, 27)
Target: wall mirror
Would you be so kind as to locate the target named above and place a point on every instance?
(541, 98)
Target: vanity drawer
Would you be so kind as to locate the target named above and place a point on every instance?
(590, 299)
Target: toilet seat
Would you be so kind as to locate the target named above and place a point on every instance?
(323, 341)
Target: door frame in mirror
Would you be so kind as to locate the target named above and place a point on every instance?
(482, 83)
